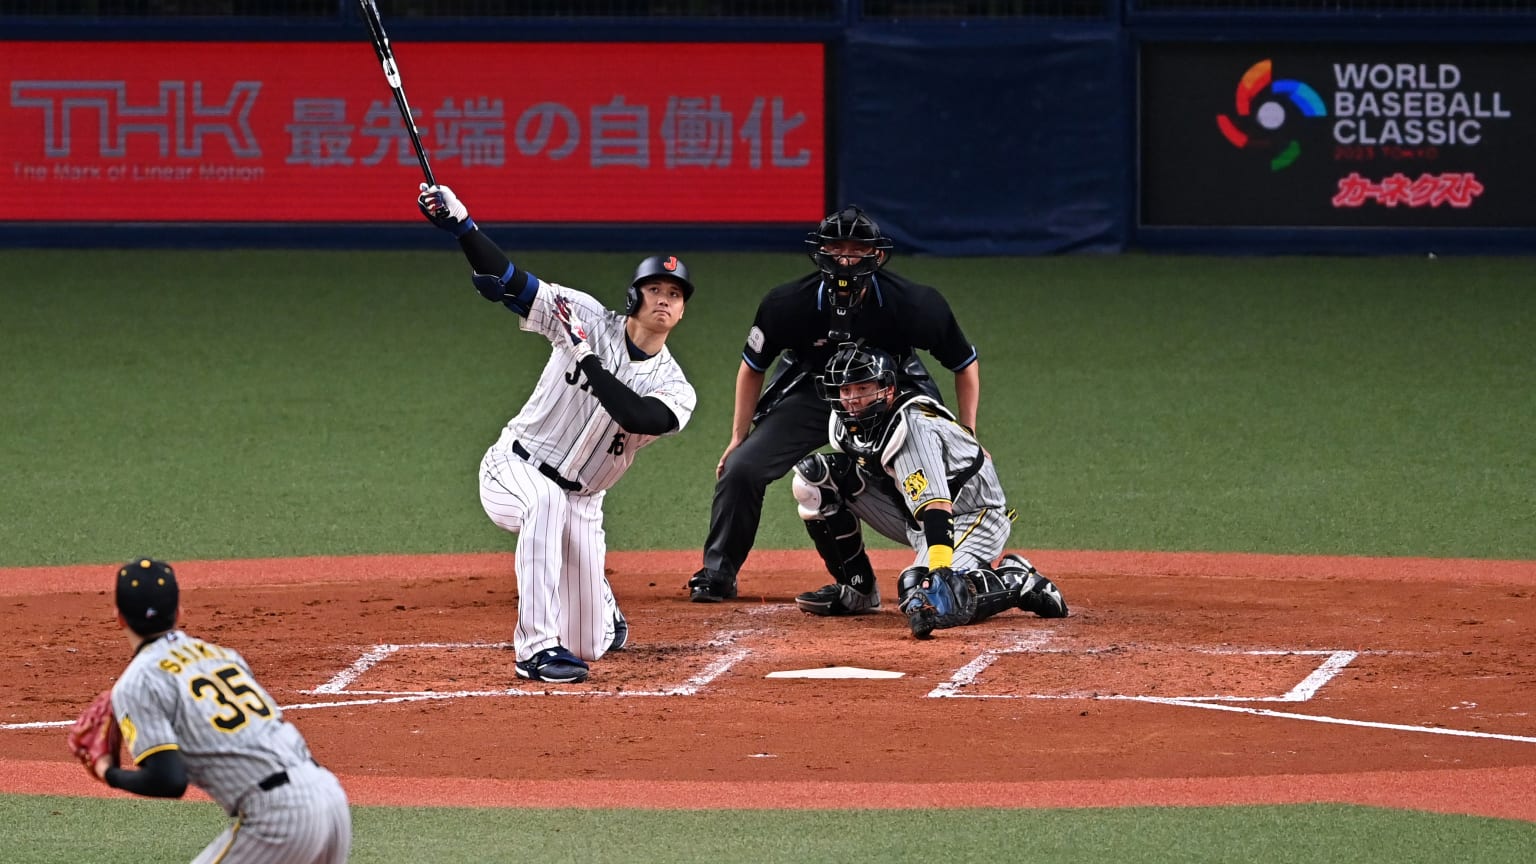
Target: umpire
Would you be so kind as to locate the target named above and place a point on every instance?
(850, 297)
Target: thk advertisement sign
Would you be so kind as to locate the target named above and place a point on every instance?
(246, 132)
(1334, 135)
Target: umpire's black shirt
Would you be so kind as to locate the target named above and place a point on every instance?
(896, 315)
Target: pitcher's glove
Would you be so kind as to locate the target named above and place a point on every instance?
(95, 735)
(942, 598)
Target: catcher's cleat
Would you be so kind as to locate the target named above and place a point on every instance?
(836, 599)
(708, 586)
(554, 666)
(620, 632)
(1037, 594)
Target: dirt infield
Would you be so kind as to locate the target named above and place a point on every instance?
(1178, 679)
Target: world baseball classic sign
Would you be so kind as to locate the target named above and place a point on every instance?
(1337, 135)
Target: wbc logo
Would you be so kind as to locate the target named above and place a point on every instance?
(1261, 103)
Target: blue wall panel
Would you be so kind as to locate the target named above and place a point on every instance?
(1004, 141)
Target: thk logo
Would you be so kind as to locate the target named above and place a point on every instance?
(1261, 112)
(177, 122)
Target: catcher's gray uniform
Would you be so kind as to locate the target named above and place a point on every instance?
(910, 470)
(926, 457)
(190, 695)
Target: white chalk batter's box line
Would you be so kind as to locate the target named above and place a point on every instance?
(339, 684)
(967, 675)
(1302, 692)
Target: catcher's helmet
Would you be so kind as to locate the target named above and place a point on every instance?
(147, 596)
(663, 266)
(848, 224)
(856, 364)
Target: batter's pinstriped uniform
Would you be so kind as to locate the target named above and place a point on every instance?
(917, 463)
(187, 694)
(546, 476)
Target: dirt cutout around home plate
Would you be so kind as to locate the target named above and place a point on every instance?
(1178, 679)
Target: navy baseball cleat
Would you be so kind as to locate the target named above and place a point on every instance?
(620, 632)
(554, 666)
(708, 586)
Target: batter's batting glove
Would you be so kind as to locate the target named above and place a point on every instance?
(571, 326)
(444, 209)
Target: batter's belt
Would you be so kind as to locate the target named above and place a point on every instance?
(545, 469)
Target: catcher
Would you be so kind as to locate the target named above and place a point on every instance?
(190, 711)
(913, 473)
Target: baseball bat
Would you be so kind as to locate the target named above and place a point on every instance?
(392, 75)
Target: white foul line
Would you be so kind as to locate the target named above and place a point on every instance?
(1302, 692)
(1340, 721)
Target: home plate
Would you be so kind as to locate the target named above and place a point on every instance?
(834, 672)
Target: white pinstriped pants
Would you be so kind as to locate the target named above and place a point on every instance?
(563, 596)
(305, 821)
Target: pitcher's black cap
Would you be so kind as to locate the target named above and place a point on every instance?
(147, 595)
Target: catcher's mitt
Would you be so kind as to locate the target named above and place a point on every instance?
(942, 598)
(95, 734)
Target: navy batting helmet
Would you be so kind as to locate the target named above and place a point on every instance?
(658, 266)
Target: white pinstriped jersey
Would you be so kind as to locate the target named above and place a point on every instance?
(563, 425)
(184, 693)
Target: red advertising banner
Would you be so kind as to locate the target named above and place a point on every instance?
(524, 132)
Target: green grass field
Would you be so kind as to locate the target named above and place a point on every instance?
(247, 404)
(49, 830)
(242, 404)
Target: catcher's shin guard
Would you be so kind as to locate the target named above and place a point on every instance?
(839, 540)
(840, 543)
(1036, 593)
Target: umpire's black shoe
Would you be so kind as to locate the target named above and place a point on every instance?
(708, 586)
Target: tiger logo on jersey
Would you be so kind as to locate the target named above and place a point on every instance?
(915, 484)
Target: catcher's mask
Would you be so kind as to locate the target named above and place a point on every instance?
(147, 596)
(860, 383)
(657, 266)
(848, 248)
